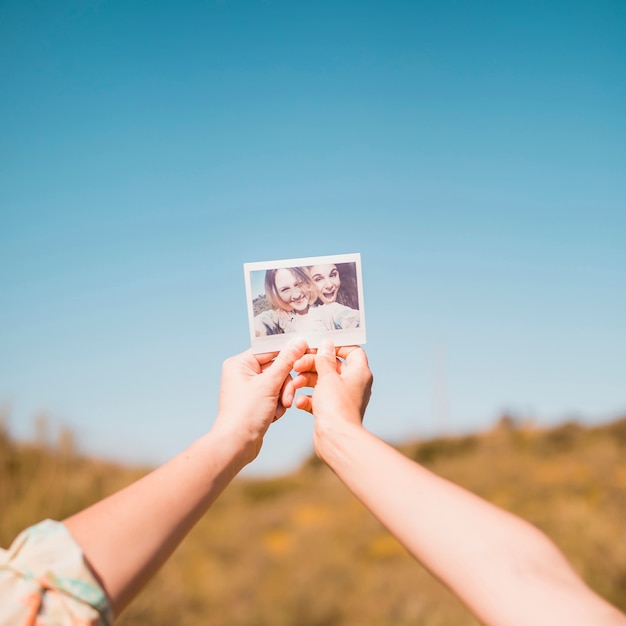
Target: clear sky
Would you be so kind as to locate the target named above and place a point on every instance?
(474, 153)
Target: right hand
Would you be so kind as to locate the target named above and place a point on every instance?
(342, 383)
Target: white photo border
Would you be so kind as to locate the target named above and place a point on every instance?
(340, 337)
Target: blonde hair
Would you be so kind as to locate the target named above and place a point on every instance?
(271, 292)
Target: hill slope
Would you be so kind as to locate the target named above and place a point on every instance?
(300, 550)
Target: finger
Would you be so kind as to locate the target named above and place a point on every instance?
(286, 394)
(265, 357)
(305, 363)
(304, 379)
(280, 411)
(304, 403)
(245, 360)
(326, 359)
(283, 363)
(347, 352)
(357, 366)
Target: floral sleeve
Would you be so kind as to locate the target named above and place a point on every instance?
(45, 581)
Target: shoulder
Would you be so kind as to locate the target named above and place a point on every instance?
(341, 316)
(46, 565)
(341, 309)
(347, 317)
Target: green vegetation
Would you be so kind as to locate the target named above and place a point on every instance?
(260, 304)
(300, 550)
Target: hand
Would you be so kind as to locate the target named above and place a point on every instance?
(252, 394)
(342, 384)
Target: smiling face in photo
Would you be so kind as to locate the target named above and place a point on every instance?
(327, 281)
(292, 291)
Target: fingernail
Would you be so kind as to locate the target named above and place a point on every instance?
(297, 342)
(326, 347)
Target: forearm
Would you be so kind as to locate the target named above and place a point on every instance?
(129, 535)
(503, 568)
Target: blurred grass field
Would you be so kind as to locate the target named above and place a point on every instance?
(301, 550)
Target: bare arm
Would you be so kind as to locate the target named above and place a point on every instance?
(129, 535)
(506, 571)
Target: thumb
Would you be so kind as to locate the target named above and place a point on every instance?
(326, 360)
(283, 363)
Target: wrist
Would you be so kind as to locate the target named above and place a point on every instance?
(336, 440)
(237, 443)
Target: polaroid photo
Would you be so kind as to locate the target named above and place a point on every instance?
(312, 297)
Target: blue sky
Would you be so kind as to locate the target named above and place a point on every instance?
(473, 153)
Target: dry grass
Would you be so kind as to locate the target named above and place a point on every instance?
(300, 550)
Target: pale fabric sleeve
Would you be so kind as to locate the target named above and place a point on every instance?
(45, 581)
(344, 317)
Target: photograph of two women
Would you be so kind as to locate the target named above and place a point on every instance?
(313, 297)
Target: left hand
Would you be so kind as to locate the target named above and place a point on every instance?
(251, 393)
